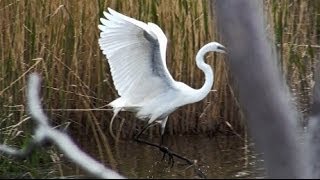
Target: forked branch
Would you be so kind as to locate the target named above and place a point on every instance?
(44, 132)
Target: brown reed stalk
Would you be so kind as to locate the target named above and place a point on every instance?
(295, 26)
(59, 39)
(64, 35)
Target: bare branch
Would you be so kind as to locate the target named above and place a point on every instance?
(44, 132)
(34, 103)
(262, 93)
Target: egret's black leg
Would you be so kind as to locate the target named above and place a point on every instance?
(162, 139)
(143, 129)
(137, 137)
(161, 144)
(163, 149)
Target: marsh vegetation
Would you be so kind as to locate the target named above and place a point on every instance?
(59, 40)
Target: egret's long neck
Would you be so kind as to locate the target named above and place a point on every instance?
(208, 72)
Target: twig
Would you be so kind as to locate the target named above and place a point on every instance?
(38, 60)
(44, 132)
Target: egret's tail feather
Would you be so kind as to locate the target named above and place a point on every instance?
(115, 113)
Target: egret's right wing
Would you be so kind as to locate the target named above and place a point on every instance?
(136, 55)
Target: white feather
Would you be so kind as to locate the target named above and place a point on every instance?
(128, 51)
(136, 53)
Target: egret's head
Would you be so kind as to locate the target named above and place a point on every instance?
(217, 47)
(210, 47)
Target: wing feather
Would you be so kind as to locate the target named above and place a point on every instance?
(136, 55)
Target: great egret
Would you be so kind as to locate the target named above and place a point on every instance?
(136, 53)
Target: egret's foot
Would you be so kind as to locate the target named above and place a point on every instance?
(166, 151)
(171, 155)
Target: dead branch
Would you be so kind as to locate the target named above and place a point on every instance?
(44, 132)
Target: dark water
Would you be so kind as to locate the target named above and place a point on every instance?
(219, 157)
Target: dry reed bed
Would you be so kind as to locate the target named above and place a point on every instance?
(59, 39)
(297, 28)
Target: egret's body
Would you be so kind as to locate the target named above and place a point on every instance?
(136, 53)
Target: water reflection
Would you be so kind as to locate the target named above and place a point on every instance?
(219, 157)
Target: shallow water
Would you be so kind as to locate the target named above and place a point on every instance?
(219, 157)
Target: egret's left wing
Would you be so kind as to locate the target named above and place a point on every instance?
(136, 54)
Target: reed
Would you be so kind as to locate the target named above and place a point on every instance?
(59, 39)
(296, 27)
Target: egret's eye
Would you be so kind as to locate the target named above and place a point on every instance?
(222, 48)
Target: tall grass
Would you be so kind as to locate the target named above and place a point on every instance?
(59, 39)
(296, 26)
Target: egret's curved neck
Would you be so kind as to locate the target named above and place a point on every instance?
(208, 71)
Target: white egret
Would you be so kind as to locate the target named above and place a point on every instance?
(136, 53)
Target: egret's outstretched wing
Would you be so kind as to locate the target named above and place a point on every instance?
(136, 54)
